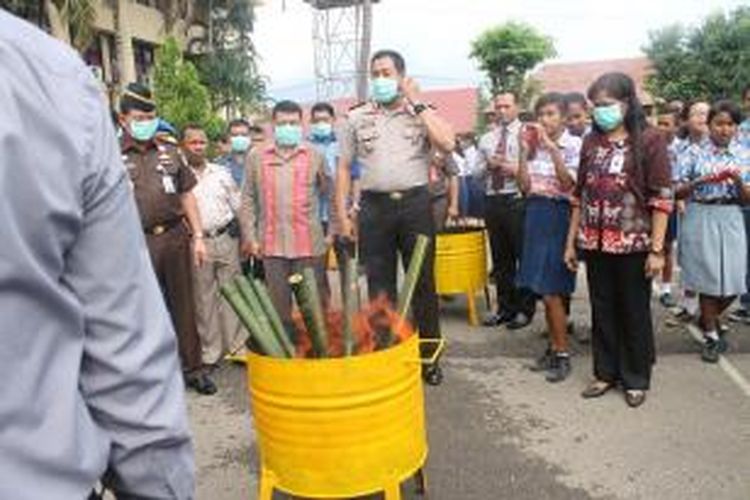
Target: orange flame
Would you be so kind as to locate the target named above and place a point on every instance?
(377, 326)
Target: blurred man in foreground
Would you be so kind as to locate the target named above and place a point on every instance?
(96, 390)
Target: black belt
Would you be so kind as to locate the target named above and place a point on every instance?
(164, 227)
(504, 196)
(402, 195)
(215, 234)
(719, 201)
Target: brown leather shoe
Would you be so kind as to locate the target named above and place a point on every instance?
(635, 398)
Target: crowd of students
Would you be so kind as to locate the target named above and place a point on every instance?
(595, 179)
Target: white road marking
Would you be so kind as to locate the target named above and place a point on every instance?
(728, 368)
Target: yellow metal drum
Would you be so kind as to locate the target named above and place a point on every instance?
(336, 428)
(461, 266)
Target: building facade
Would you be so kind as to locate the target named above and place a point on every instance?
(126, 35)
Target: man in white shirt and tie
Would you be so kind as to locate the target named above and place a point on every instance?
(504, 213)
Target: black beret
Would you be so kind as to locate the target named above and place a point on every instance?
(137, 96)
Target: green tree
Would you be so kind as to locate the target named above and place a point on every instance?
(226, 55)
(231, 76)
(507, 53)
(708, 61)
(179, 93)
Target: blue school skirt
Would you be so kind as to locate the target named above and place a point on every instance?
(471, 196)
(543, 269)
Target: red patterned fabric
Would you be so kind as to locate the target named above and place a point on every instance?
(616, 198)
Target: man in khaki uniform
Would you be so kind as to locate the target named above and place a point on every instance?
(392, 137)
(218, 200)
(162, 185)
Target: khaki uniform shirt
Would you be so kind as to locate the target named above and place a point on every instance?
(391, 145)
(159, 176)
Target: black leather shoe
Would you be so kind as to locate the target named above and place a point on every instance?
(518, 322)
(200, 383)
(497, 319)
(559, 369)
(543, 362)
(712, 350)
(432, 375)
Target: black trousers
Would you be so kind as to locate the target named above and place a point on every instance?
(622, 336)
(388, 227)
(504, 219)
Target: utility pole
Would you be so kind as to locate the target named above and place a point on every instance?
(364, 51)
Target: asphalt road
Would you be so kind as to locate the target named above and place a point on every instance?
(498, 431)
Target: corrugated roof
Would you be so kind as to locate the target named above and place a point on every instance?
(577, 76)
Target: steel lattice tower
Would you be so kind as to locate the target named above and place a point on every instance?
(341, 43)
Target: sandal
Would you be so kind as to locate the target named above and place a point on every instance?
(597, 389)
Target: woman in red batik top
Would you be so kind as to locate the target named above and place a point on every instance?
(621, 203)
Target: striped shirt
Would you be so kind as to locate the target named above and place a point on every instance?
(280, 202)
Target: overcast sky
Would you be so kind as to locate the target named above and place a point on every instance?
(435, 35)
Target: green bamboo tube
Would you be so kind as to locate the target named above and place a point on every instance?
(273, 315)
(350, 296)
(267, 345)
(305, 290)
(412, 276)
(248, 293)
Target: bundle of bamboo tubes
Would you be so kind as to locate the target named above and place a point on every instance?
(320, 334)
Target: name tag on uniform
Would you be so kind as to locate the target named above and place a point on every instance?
(617, 163)
(168, 184)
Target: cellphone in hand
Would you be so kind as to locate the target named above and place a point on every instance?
(531, 136)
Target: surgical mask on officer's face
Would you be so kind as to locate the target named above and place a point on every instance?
(321, 130)
(288, 135)
(240, 143)
(384, 90)
(608, 117)
(144, 130)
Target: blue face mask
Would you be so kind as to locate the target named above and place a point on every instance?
(288, 135)
(144, 130)
(608, 117)
(321, 130)
(384, 90)
(240, 143)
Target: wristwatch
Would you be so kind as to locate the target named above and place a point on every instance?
(419, 107)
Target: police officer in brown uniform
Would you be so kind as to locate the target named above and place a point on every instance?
(392, 138)
(162, 184)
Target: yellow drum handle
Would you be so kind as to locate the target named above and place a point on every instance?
(438, 351)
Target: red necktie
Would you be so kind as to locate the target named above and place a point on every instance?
(498, 178)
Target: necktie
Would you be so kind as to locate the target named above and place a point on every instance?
(498, 179)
